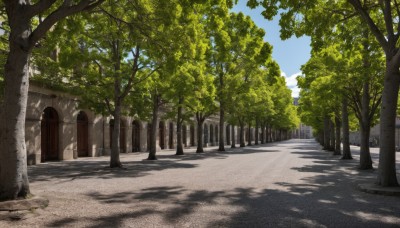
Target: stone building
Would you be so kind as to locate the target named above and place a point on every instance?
(375, 136)
(56, 129)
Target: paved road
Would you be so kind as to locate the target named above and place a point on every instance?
(286, 184)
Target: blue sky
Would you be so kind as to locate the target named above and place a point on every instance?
(290, 54)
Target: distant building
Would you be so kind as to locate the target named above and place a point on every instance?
(303, 131)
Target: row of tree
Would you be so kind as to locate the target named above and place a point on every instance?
(355, 61)
(188, 58)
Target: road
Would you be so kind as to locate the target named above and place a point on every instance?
(285, 184)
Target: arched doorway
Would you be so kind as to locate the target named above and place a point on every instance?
(82, 134)
(135, 136)
(216, 133)
(171, 136)
(161, 132)
(49, 135)
(205, 134)
(192, 135)
(122, 141)
(184, 135)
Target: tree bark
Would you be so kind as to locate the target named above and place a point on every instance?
(345, 129)
(262, 133)
(241, 136)
(114, 158)
(13, 162)
(154, 126)
(332, 135)
(233, 136)
(221, 142)
(365, 128)
(387, 150)
(256, 134)
(337, 136)
(200, 136)
(326, 134)
(179, 147)
(249, 136)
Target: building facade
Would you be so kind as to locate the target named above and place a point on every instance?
(57, 129)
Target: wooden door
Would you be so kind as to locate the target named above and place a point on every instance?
(49, 135)
(82, 135)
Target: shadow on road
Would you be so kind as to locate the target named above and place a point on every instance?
(326, 199)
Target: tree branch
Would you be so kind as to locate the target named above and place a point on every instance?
(60, 13)
(371, 24)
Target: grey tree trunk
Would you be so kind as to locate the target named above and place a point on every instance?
(256, 134)
(249, 135)
(337, 136)
(13, 168)
(114, 158)
(221, 142)
(233, 136)
(345, 129)
(262, 133)
(326, 134)
(200, 136)
(154, 126)
(365, 127)
(332, 136)
(179, 147)
(241, 136)
(387, 150)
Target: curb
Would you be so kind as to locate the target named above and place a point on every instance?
(375, 189)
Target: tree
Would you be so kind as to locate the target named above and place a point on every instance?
(236, 46)
(381, 19)
(28, 24)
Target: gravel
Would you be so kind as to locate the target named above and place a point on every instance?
(286, 184)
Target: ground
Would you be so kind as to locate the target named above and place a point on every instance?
(286, 184)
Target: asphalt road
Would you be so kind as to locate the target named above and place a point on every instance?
(286, 184)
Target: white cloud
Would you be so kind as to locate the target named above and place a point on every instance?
(291, 82)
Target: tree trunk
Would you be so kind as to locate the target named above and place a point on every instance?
(365, 128)
(154, 126)
(345, 129)
(365, 156)
(221, 129)
(387, 150)
(321, 137)
(241, 136)
(262, 133)
(13, 162)
(337, 136)
(249, 136)
(114, 158)
(326, 133)
(256, 134)
(332, 135)
(179, 147)
(200, 136)
(233, 136)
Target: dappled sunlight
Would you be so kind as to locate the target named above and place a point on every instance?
(277, 185)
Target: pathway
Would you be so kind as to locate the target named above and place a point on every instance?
(285, 184)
